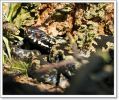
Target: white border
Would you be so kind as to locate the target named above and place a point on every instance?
(86, 96)
(58, 1)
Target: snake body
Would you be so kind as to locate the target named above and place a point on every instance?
(40, 37)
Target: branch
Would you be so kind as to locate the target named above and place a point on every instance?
(45, 68)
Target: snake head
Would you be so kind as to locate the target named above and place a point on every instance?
(31, 30)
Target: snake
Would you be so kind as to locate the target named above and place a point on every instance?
(37, 40)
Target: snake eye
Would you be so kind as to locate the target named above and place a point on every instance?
(29, 30)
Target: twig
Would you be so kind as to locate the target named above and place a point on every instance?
(45, 68)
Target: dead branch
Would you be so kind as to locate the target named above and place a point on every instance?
(45, 68)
